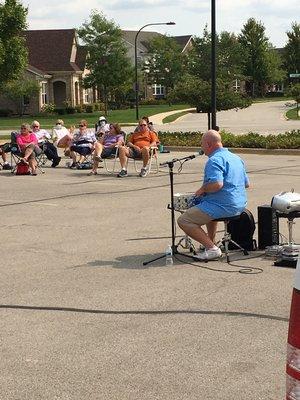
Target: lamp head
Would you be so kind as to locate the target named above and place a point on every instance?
(171, 23)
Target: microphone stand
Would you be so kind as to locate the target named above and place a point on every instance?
(170, 164)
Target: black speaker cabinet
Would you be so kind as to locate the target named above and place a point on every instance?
(268, 227)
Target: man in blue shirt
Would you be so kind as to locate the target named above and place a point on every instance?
(223, 194)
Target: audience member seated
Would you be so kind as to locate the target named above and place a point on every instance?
(5, 164)
(29, 148)
(62, 137)
(107, 145)
(150, 124)
(83, 143)
(44, 138)
(101, 127)
(138, 147)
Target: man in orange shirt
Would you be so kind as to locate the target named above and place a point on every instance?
(138, 147)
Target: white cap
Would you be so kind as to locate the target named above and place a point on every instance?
(102, 118)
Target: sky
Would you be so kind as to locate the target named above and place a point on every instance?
(190, 16)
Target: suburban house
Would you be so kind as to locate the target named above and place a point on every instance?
(144, 37)
(58, 63)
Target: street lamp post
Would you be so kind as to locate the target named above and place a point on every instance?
(136, 88)
(213, 66)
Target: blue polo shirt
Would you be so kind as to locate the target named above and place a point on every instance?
(224, 166)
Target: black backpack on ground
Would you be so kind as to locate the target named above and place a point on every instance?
(242, 230)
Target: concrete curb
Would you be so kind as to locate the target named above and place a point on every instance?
(295, 152)
(157, 119)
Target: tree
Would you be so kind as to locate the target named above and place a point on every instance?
(261, 64)
(294, 92)
(195, 88)
(229, 56)
(199, 58)
(107, 61)
(13, 51)
(292, 50)
(18, 89)
(164, 65)
(197, 93)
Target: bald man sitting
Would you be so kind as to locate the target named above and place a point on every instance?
(223, 194)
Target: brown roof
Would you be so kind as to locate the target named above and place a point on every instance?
(182, 41)
(145, 37)
(36, 70)
(50, 50)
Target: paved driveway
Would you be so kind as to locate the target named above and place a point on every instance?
(81, 318)
(263, 118)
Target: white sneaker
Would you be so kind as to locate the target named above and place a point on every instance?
(210, 254)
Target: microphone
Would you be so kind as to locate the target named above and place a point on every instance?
(191, 157)
(199, 153)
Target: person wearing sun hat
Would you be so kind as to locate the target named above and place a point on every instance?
(101, 127)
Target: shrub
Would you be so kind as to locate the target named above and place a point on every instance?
(274, 94)
(48, 108)
(70, 110)
(153, 102)
(113, 105)
(60, 111)
(89, 108)
(288, 140)
(5, 112)
(101, 106)
(79, 108)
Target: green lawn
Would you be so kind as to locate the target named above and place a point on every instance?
(124, 117)
(292, 114)
(173, 117)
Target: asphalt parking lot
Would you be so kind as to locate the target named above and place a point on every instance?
(82, 318)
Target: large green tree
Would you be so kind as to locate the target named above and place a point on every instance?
(109, 66)
(229, 56)
(195, 87)
(260, 63)
(199, 58)
(294, 92)
(13, 51)
(18, 89)
(292, 49)
(165, 62)
(197, 93)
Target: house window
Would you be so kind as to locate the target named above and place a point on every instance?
(88, 95)
(275, 88)
(44, 93)
(237, 85)
(158, 90)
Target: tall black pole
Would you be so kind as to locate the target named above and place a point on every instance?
(213, 66)
(136, 83)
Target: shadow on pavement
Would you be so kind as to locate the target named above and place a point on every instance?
(237, 314)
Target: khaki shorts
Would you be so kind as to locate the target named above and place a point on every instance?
(194, 216)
